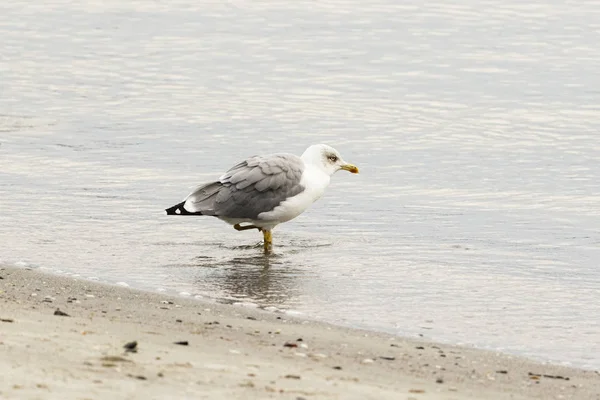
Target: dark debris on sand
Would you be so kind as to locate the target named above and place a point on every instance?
(533, 375)
(61, 313)
(131, 347)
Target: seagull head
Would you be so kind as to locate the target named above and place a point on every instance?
(327, 159)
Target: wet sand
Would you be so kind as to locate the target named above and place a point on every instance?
(230, 352)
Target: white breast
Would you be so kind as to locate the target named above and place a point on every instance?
(315, 181)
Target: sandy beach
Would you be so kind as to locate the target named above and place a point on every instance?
(186, 348)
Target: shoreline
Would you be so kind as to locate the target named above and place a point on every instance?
(293, 314)
(234, 352)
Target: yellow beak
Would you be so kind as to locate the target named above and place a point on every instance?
(350, 167)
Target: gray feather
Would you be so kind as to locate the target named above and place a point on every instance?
(256, 185)
(247, 177)
(203, 198)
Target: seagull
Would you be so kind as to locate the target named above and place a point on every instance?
(262, 192)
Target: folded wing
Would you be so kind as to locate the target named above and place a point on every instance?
(256, 185)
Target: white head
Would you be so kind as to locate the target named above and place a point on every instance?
(327, 159)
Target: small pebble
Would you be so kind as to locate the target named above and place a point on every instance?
(61, 313)
(131, 347)
(182, 343)
(367, 361)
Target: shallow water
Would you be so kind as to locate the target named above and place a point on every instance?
(476, 215)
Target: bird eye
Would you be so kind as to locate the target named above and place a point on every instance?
(332, 158)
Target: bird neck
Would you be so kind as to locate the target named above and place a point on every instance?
(315, 181)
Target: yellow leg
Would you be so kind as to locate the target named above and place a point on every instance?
(268, 241)
(239, 227)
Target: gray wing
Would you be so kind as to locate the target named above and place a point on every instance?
(255, 185)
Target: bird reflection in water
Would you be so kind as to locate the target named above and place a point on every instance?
(263, 280)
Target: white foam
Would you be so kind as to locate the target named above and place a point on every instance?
(246, 304)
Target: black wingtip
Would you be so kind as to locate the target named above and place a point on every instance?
(178, 209)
